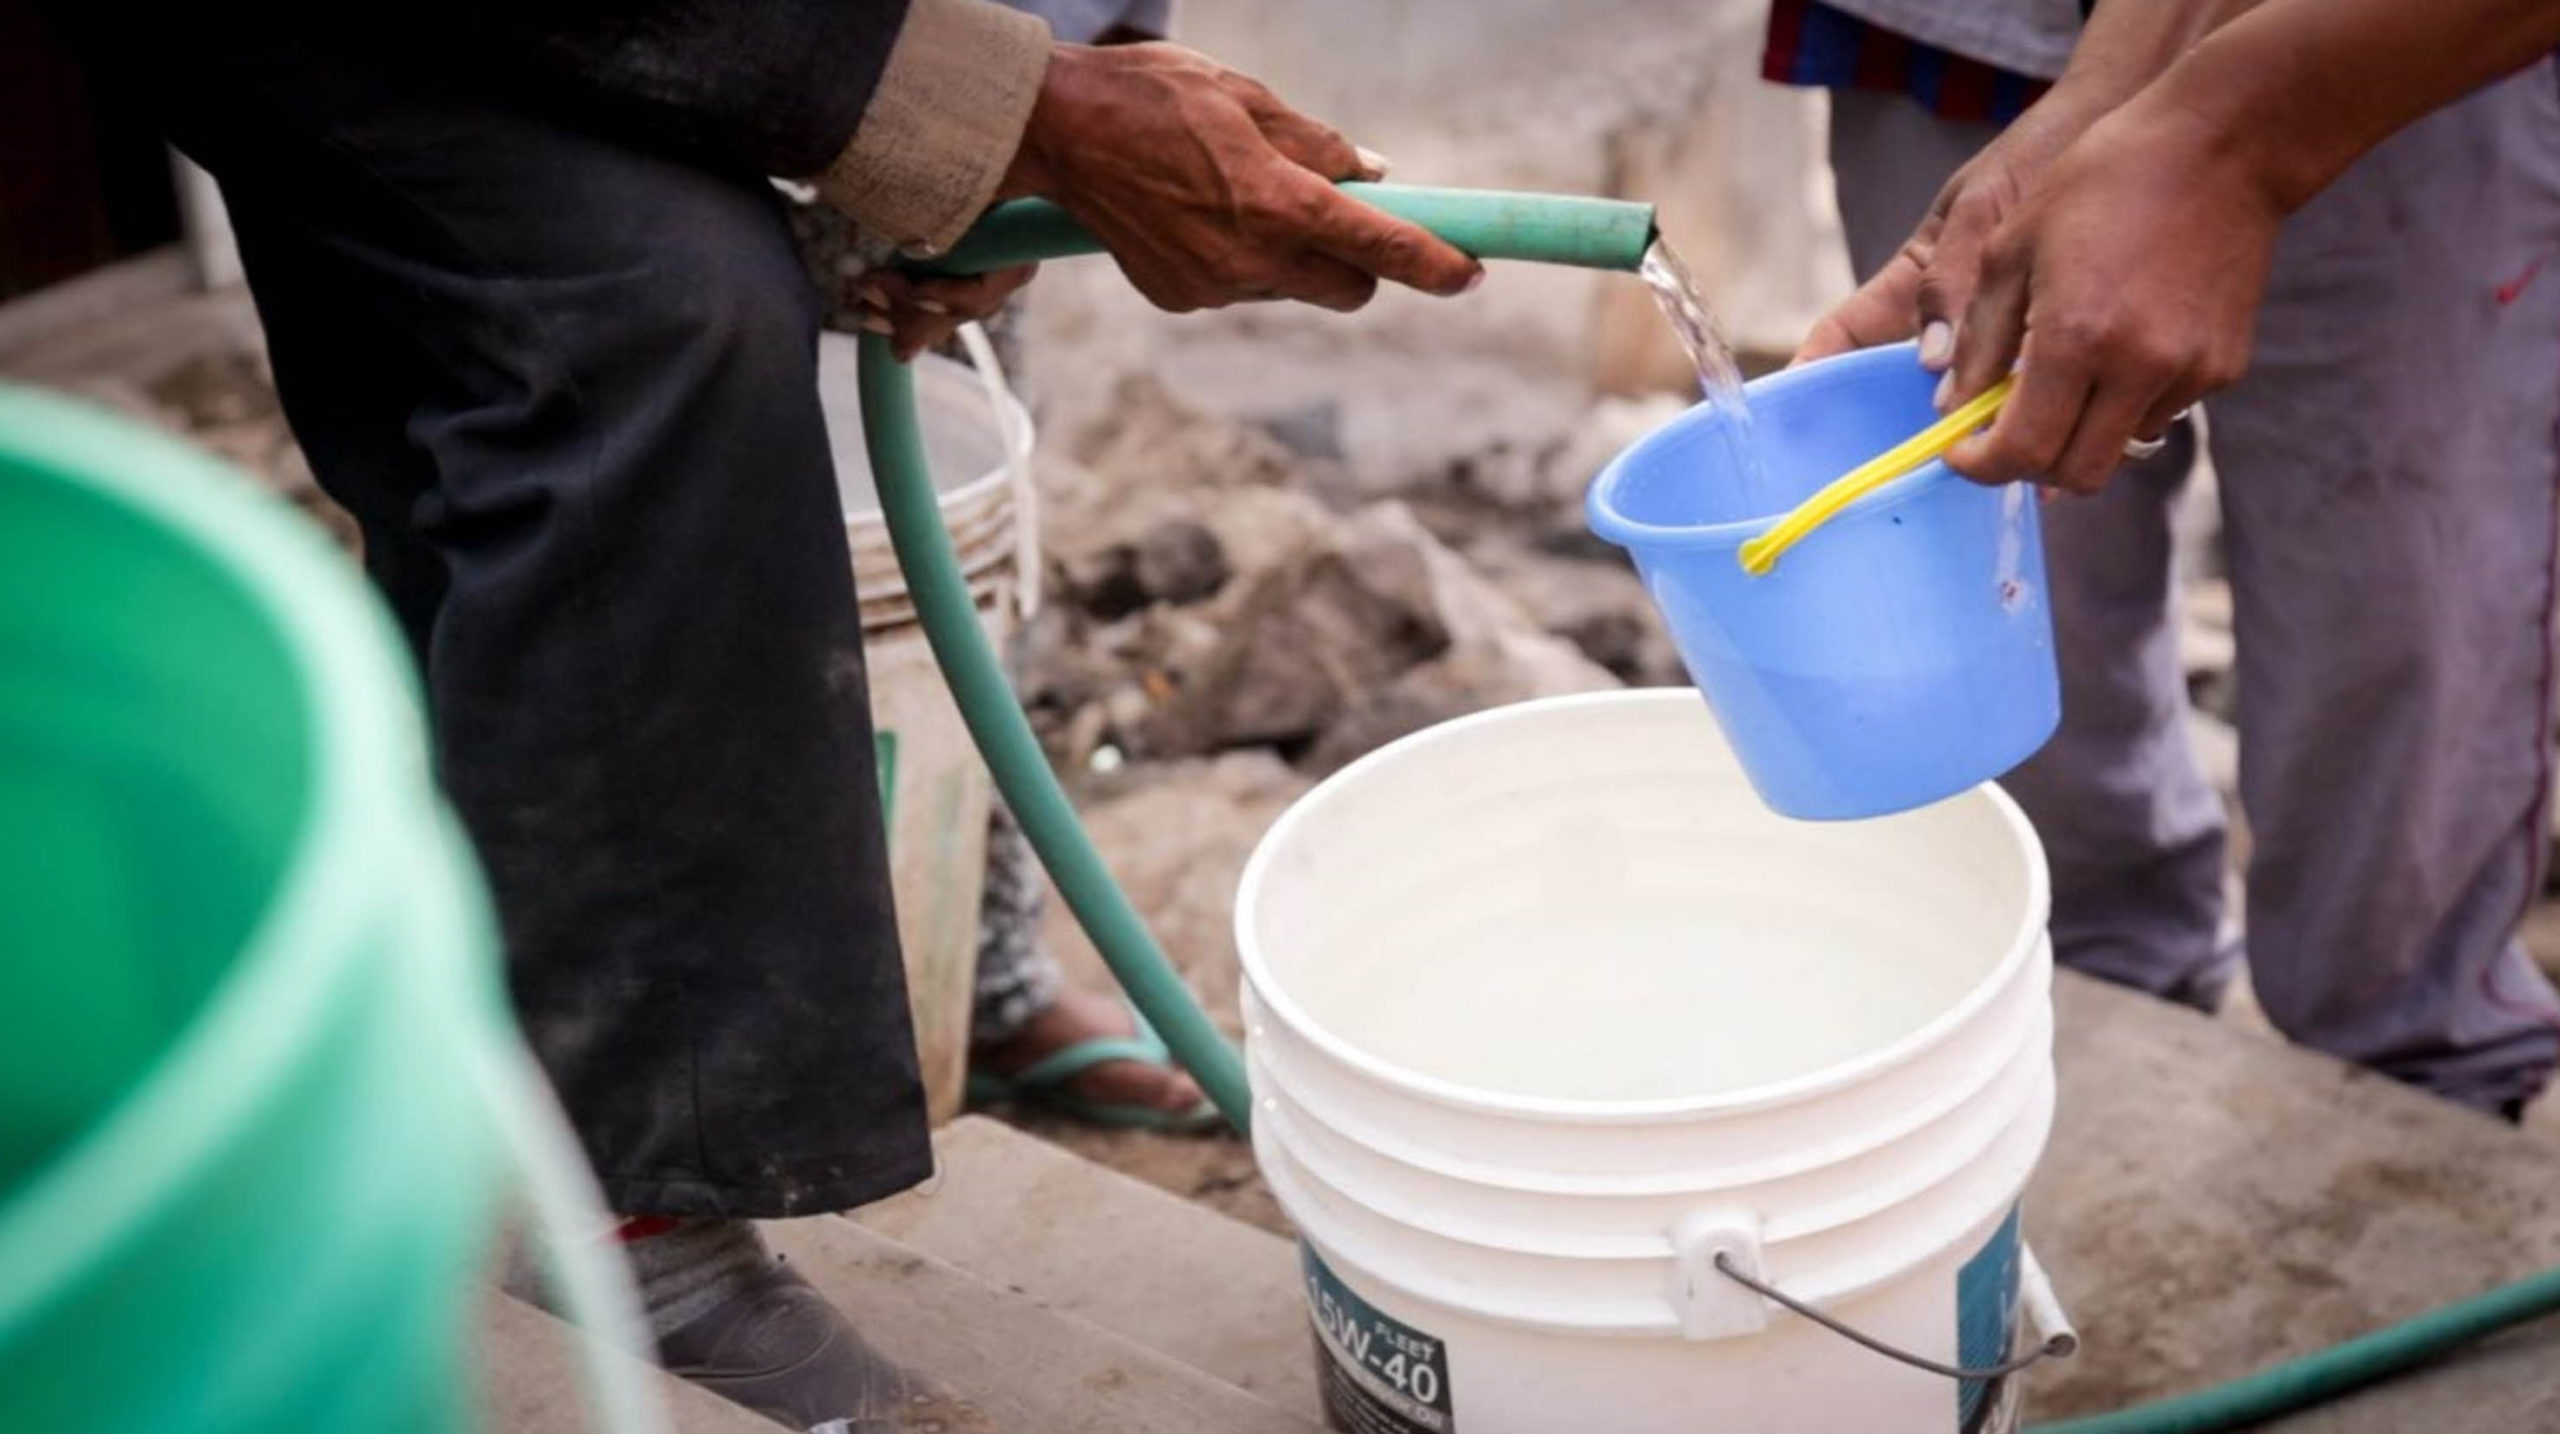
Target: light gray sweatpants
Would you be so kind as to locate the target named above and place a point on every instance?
(2390, 483)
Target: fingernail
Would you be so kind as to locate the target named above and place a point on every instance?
(872, 294)
(1946, 390)
(1373, 165)
(933, 306)
(1474, 282)
(1937, 343)
(878, 324)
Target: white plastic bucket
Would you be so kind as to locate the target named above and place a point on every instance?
(977, 439)
(1545, 1011)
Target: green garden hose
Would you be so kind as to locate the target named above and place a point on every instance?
(949, 614)
(1588, 233)
(1591, 233)
(1542, 228)
(2324, 1375)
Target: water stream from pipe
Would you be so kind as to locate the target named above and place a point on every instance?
(1745, 490)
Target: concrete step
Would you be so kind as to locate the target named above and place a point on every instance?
(2214, 1200)
(530, 1379)
(1026, 1368)
(1051, 1294)
(1087, 1241)
(1030, 1369)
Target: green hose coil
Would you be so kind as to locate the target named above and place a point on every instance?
(949, 615)
(1591, 233)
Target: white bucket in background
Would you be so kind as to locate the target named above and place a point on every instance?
(1544, 1011)
(977, 439)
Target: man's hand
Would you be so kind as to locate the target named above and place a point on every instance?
(2129, 286)
(1208, 190)
(1929, 284)
(1924, 289)
(2126, 284)
(2125, 289)
(915, 313)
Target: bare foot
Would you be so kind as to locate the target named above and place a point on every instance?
(1080, 1015)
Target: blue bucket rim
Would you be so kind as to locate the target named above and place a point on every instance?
(1600, 508)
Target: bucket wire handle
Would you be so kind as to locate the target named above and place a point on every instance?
(2059, 1343)
(1762, 553)
(1013, 424)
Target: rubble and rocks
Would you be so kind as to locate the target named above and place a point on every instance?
(1214, 602)
(1178, 561)
(1517, 518)
(1311, 636)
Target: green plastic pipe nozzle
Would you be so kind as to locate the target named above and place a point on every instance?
(1488, 224)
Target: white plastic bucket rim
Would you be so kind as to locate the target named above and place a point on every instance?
(974, 506)
(1289, 1110)
(1275, 994)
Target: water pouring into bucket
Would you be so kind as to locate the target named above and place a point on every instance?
(1741, 487)
(1902, 653)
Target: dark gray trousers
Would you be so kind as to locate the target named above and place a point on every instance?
(567, 385)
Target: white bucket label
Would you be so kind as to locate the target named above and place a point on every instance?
(1986, 1327)
(1379, 1374)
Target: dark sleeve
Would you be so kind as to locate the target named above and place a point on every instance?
(779, 84)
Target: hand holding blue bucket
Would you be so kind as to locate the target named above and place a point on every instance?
(1901, 654)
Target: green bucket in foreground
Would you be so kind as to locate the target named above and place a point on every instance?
(247, 1176)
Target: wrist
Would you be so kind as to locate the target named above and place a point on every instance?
(2050, 125)
(942, 125)
(1063, 86)
(2127, 46)
(2093, 86)
(2210, 146)
(2238, 117)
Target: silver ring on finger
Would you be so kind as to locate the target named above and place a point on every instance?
(2137, 449)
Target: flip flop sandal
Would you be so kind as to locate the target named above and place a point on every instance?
(1045, 1083)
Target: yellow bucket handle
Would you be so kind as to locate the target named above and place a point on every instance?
(1762, 553)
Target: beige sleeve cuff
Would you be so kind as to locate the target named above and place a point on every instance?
(943, 125)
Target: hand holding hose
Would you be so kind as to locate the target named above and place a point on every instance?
(1209, 190)
(916, 312)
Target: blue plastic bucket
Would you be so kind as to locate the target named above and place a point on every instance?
(1902, 653)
